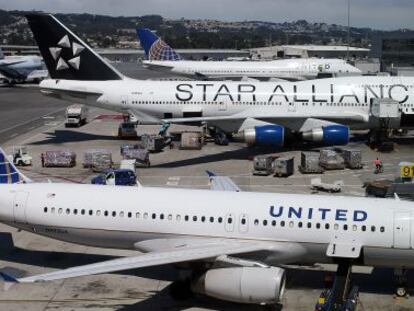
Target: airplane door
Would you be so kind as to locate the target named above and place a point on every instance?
(243, 223)
(19, 206)
(222, 106)
(124, 101)
(402, 232)
(230, 222)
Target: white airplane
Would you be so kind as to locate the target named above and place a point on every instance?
(162, 57)
(265, 113)
(237, 240)
(18, 68)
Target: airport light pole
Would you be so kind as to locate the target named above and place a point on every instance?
(349, 34)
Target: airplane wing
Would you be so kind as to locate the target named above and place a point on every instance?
(223, 183)
(11, 73)
(205, 250)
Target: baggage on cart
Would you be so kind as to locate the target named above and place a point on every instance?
(263, 165)
(309, 163)
(97, 159)
(331, 160)
(153, 143)
(283, 167)
(191, 141)
(125, 147)
(317, 184)
(141, 156)
(59, 158)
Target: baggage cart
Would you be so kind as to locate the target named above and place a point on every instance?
(141, 156)
(331, 160)
(59, 158)
(153, 143)
(191, 141)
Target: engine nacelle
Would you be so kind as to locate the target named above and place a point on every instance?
(265, 135)
(253, 285)
(328, 135)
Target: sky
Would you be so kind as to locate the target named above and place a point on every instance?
(377, 14)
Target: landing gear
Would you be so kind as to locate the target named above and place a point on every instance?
(181, 290)
(380, 138)
(341, 296)
(400, 276)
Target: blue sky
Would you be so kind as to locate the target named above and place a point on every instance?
(380, 14)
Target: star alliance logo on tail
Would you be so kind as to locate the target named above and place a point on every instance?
(76, 48)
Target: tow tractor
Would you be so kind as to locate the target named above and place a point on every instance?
(21, 157)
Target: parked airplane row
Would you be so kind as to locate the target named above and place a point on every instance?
(265, 113)
(15, 69)
(162, 57)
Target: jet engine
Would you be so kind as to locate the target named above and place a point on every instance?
(253, 285)
(328, 135)
(265, 135)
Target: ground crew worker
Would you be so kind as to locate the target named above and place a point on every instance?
(378, 165)
(42, 158)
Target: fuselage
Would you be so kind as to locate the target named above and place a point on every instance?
(345, 100)
(384, 228)
(24, 65)
(290, 69)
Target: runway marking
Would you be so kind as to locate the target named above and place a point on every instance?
(28, 122)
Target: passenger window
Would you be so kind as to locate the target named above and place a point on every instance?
(354, 228)
(186, 218)
(121, 214)
(129, 214)
(67, 211)
(318, 225)
(106, 213)
(60, 211)
(45, 209)
(382, 229)
(220, 220)
(53, 210)
(274, 223)
(345, 227)
(98, 212)
(265, 222)
(169, 217)
(178, 217)
(153, 216)
(300, 224)
(326, 226)
(203, 218)
(282, 223)
(291, 224)
(75, 211)
(145, 215)
(82, 212)
(90, 212)
(161, 216)
(211, 219)
(243, 221)
(194, 218)
(256, 222)
(372, 228)
(364, 228)
(336, 226)
(309, 225)
(113, 214)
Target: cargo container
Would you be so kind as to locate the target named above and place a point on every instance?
(153, 143)
(59, 158)
(352, 158)
(283, 167)
(263, 165)
(191, 141)
(309, 163)
(331, 160)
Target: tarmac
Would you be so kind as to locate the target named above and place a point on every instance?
(28, 118)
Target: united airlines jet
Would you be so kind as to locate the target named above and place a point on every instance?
(162, 57)
(234, 241)
(265, 113)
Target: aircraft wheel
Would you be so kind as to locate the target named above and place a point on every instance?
(401, 292)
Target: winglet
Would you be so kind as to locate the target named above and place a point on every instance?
(396, 196)
(210, 174)
(155, 48)
(8, 278)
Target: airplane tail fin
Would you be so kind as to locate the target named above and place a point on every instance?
(155, 48)
(66, 56)
(9, 174)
